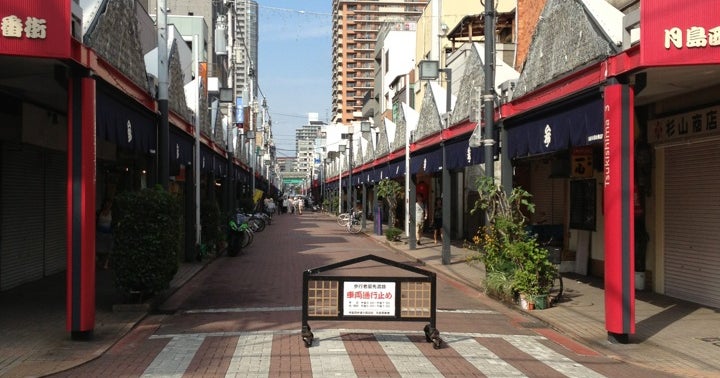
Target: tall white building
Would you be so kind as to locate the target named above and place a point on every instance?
(305, 139)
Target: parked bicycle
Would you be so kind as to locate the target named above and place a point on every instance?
(353, 224)
(556, 291)
(241, 230)
(342, 219)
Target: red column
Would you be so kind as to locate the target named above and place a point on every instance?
(618, 172)
(81, 208)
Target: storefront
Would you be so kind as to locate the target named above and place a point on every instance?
(686, 144)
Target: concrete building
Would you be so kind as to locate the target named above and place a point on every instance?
(355, 29)
(305, 138)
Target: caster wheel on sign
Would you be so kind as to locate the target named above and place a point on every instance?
(437, 343)
(427, 331)
(308, 340)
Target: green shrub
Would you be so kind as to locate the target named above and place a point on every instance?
(211, 220)
(504, 246)
(393, 233)
(147, 240)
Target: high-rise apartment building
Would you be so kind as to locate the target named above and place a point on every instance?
(305, 138)
(246, 47)
(355, 28)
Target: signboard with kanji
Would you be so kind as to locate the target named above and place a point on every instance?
(368, 298)
(39, 28)
(697, 123)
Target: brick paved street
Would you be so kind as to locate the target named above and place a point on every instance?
(241, 316)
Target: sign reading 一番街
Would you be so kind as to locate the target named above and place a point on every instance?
(368, 298)
(40, 28)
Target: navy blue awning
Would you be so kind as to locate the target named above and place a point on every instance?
(428, 162)
(577, 124)
(212, 162)
(459, 154)
(127, 125)
(181, 147)
(219, 165)
(206, 159)
(395, 169)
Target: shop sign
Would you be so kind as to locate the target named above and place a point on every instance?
(582, 160)
(368, 298)
(39, 28)
(698, 123)
(674, 33)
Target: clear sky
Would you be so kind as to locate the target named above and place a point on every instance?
(294, 65)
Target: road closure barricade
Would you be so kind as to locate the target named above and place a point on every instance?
(336, 296)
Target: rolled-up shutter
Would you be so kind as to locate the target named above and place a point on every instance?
(692, 221)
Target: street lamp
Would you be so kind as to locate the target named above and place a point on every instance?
(325, 176)
(349, 137)
(365, 127)
(341, 150)
(250, 136)
(429, 70)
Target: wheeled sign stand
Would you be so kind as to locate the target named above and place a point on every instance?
(369, 298)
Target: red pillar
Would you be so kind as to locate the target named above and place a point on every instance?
(618, 172)
(81, 208)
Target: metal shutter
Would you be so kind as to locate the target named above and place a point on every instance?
(548, 194)
(692, 221)
(21, 214)
(55, 209)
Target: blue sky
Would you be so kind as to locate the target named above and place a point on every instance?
(294, 65)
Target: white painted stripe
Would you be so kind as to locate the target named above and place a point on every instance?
(551, 358)
(461, 311)
(407, 358)
(328, 356)
(482, 358)
(241, 309)
(299, 308)
(175, 358)
(252, 356)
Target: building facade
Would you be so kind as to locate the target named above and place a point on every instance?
(355, 30)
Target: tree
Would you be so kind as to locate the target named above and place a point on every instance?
(505, 246)
(390, 190)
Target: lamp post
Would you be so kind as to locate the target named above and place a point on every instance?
(349, 137)
(365, 127)
(250, 136)
(341, 150)
(430, 70)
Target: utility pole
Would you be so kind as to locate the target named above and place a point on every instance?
(163, 153)
(489, 91)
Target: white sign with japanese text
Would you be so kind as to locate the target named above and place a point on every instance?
(697, 123)
(368, 298)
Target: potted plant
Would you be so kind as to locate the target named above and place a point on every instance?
(505, 246)
(393, 234)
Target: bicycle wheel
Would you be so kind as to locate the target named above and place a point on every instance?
(354, 227)
(258, 225)
(342, 219)
(246, 237)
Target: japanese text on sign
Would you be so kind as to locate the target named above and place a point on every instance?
(13, 27)
(695, 36)
(692, 124)
(369, 298)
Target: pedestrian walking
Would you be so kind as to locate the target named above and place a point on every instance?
(437, 220)
(420, 217)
